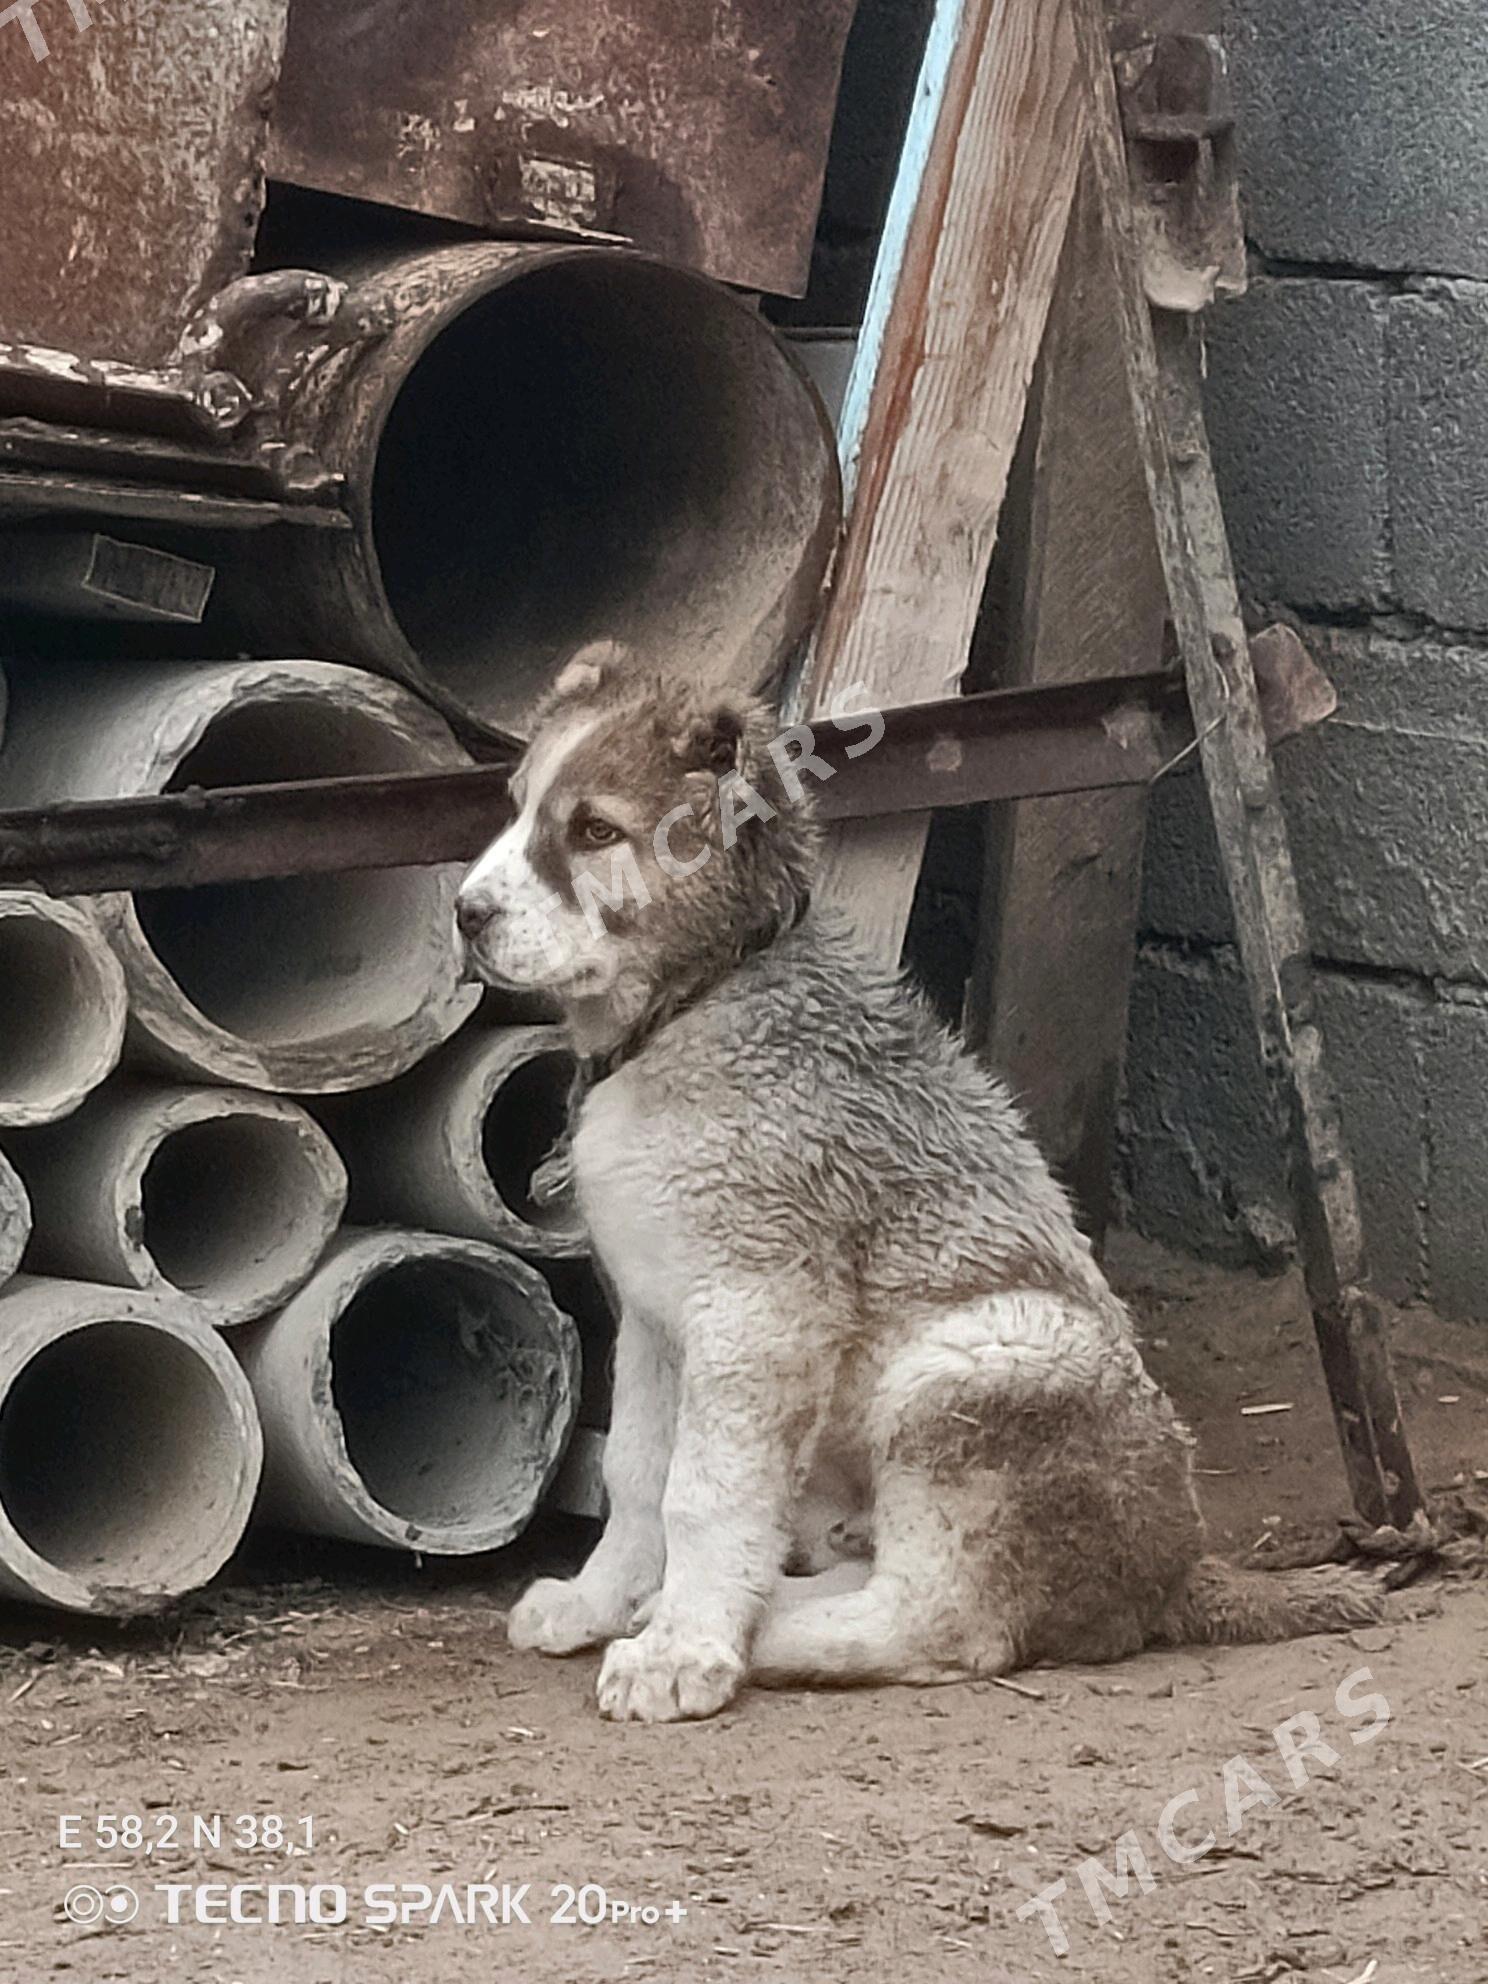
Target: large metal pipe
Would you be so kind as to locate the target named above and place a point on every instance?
(542, 445)
(129, 1447)
(62, 1007)
(453, 1144)
(219, 1194)
(308, 985)
(15, 1219)
(417, 1393)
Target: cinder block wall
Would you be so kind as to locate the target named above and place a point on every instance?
(1348, 401)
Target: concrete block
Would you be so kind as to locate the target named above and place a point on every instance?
(1388, 807)
(1387, 804)
(1203, 1154)
(1183, 893)
(1455, 1073)
(1438, 414)
(1296, 409)
(1363, 130)
(1198, 1149)
(1372, 1037)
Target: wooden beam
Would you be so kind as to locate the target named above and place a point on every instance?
(1063, 875)
(1163, 375)
(955, 316)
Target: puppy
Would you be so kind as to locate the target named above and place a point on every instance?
(857, 1318)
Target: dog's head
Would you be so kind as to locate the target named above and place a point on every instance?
(662, 831)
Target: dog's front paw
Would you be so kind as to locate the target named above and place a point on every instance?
(554, 1616)
(659, 1677)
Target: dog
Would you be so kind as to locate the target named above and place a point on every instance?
(859, 1328)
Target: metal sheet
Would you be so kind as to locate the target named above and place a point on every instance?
(133, 165)
(697, 132)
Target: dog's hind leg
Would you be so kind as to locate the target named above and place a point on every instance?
(1031, 1501)
(894, 1626)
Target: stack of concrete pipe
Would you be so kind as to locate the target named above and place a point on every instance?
(196, 1326)
(268, 1228)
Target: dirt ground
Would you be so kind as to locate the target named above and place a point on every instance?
(885, 1835)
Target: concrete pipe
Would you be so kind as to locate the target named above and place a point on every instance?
(312, 984)
(452, 1146)
(129, 1447)
(15, 1219)
(219, 1194)
(62, 1007)
(542, 445)
(417, 1393)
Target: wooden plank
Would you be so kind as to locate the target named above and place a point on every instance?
(955, 316)
(1047, 998)
(1163, 375)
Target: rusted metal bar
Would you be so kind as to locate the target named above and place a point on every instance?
(1163, 375)
(46, 493)
(189, 402)
(1010, 744)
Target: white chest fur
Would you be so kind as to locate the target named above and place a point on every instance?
(631, 1199)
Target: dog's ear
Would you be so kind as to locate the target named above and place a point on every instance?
(589, 668)
(712, 742)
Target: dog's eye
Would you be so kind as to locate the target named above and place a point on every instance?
(591, 831)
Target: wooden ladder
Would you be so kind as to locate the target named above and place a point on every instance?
(1013, 229)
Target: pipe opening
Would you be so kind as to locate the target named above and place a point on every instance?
(51, 1028)
(598, 447)
(230, 1210)
(528, 1114)
(448, 1387)
(117, 1444)
(293, 962)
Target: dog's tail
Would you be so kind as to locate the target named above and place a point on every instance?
(1220, 1605)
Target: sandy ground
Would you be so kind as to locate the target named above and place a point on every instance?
(883, 1835)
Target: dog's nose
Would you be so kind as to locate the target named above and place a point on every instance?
(472, 914)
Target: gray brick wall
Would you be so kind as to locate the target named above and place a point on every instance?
(1364, 129)
(1348, 405)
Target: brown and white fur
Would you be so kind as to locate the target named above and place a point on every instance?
(857, 1317)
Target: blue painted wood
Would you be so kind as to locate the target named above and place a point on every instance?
(941, 43)
(914, 159)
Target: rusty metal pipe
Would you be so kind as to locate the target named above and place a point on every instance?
(542, 445)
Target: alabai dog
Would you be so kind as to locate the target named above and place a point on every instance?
(856, 1314)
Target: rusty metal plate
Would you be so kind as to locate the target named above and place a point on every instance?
(134, 138)
(698, 132)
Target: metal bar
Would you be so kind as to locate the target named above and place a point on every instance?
(26, 493)
(1163, 375)
(1010, 744)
